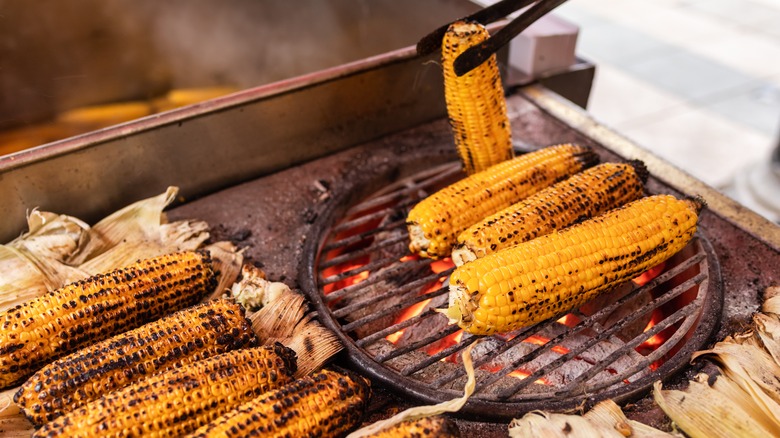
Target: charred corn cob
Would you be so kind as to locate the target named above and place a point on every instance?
(180, 400)
(324, 404)
(186, 336)
(436, 221)
(41, 330)
(476, 106)
(436, 426)
(552, 274)
(586, 194)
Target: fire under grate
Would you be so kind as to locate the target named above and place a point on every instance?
(381, 301)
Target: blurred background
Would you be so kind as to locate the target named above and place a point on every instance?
(695, 81)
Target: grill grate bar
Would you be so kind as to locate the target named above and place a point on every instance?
(669, 321)
(464, 343)
(370, 267)
(346, 310)
(370, 339)
(348, 256)
(357, 238)
(415, 345)
(519, 337)
(383, 275)
(587, 323)
(400, 306)
(391, 211)
(408, 186)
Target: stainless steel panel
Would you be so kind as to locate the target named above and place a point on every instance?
(57, 55)
(221, 142)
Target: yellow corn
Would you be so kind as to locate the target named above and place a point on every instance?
(475, 102)
(584, 195)
(188, 96)
(436, 221)
(100, 116)
(50, 326)
(180, 400)
(186, 336)
(324, 404)
(437, 426)
(553, 274)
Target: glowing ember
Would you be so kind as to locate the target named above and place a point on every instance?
(521, 374)
(650, 274)
(442, 265)
(408, 313)
(569, 320)
(445, 343)
(345, 267)
(541, 340)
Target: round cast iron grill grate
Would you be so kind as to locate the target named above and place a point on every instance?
(380, 301)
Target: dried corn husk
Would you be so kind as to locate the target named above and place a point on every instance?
(751, 367)
(283, 318)
(137, 231)
(418, 412)
(59, 249)
(546, 424)
(768, 331)
(606, 419)
(771, 300)
(13, 424)
(32, 264)
(227, 261)
(705, 411)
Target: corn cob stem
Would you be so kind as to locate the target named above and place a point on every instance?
(325, 404)
(41, 330)
(186, 336)
(436, 221)
(475, 102)
(179, 400)
(584, 195)
(552, 274)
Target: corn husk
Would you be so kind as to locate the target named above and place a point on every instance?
(705, 411)
(32, 264)
(771, 300)
(768, 331)
(547, 424)
(418, 412)
(283, 317)
(138, 231)
(752, 368)
(605, 420)
(227, 260)
(59, 249)
(13, 424)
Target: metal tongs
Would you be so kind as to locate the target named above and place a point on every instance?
(474, 56)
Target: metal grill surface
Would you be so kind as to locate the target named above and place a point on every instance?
(381, 300)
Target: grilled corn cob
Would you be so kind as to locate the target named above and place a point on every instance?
(475, 102)
(186, 336)
(552, 274)
(436, 426)
(180, 400)
(45, 328)
(324, 404)
(586, 194)
(436, 221)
